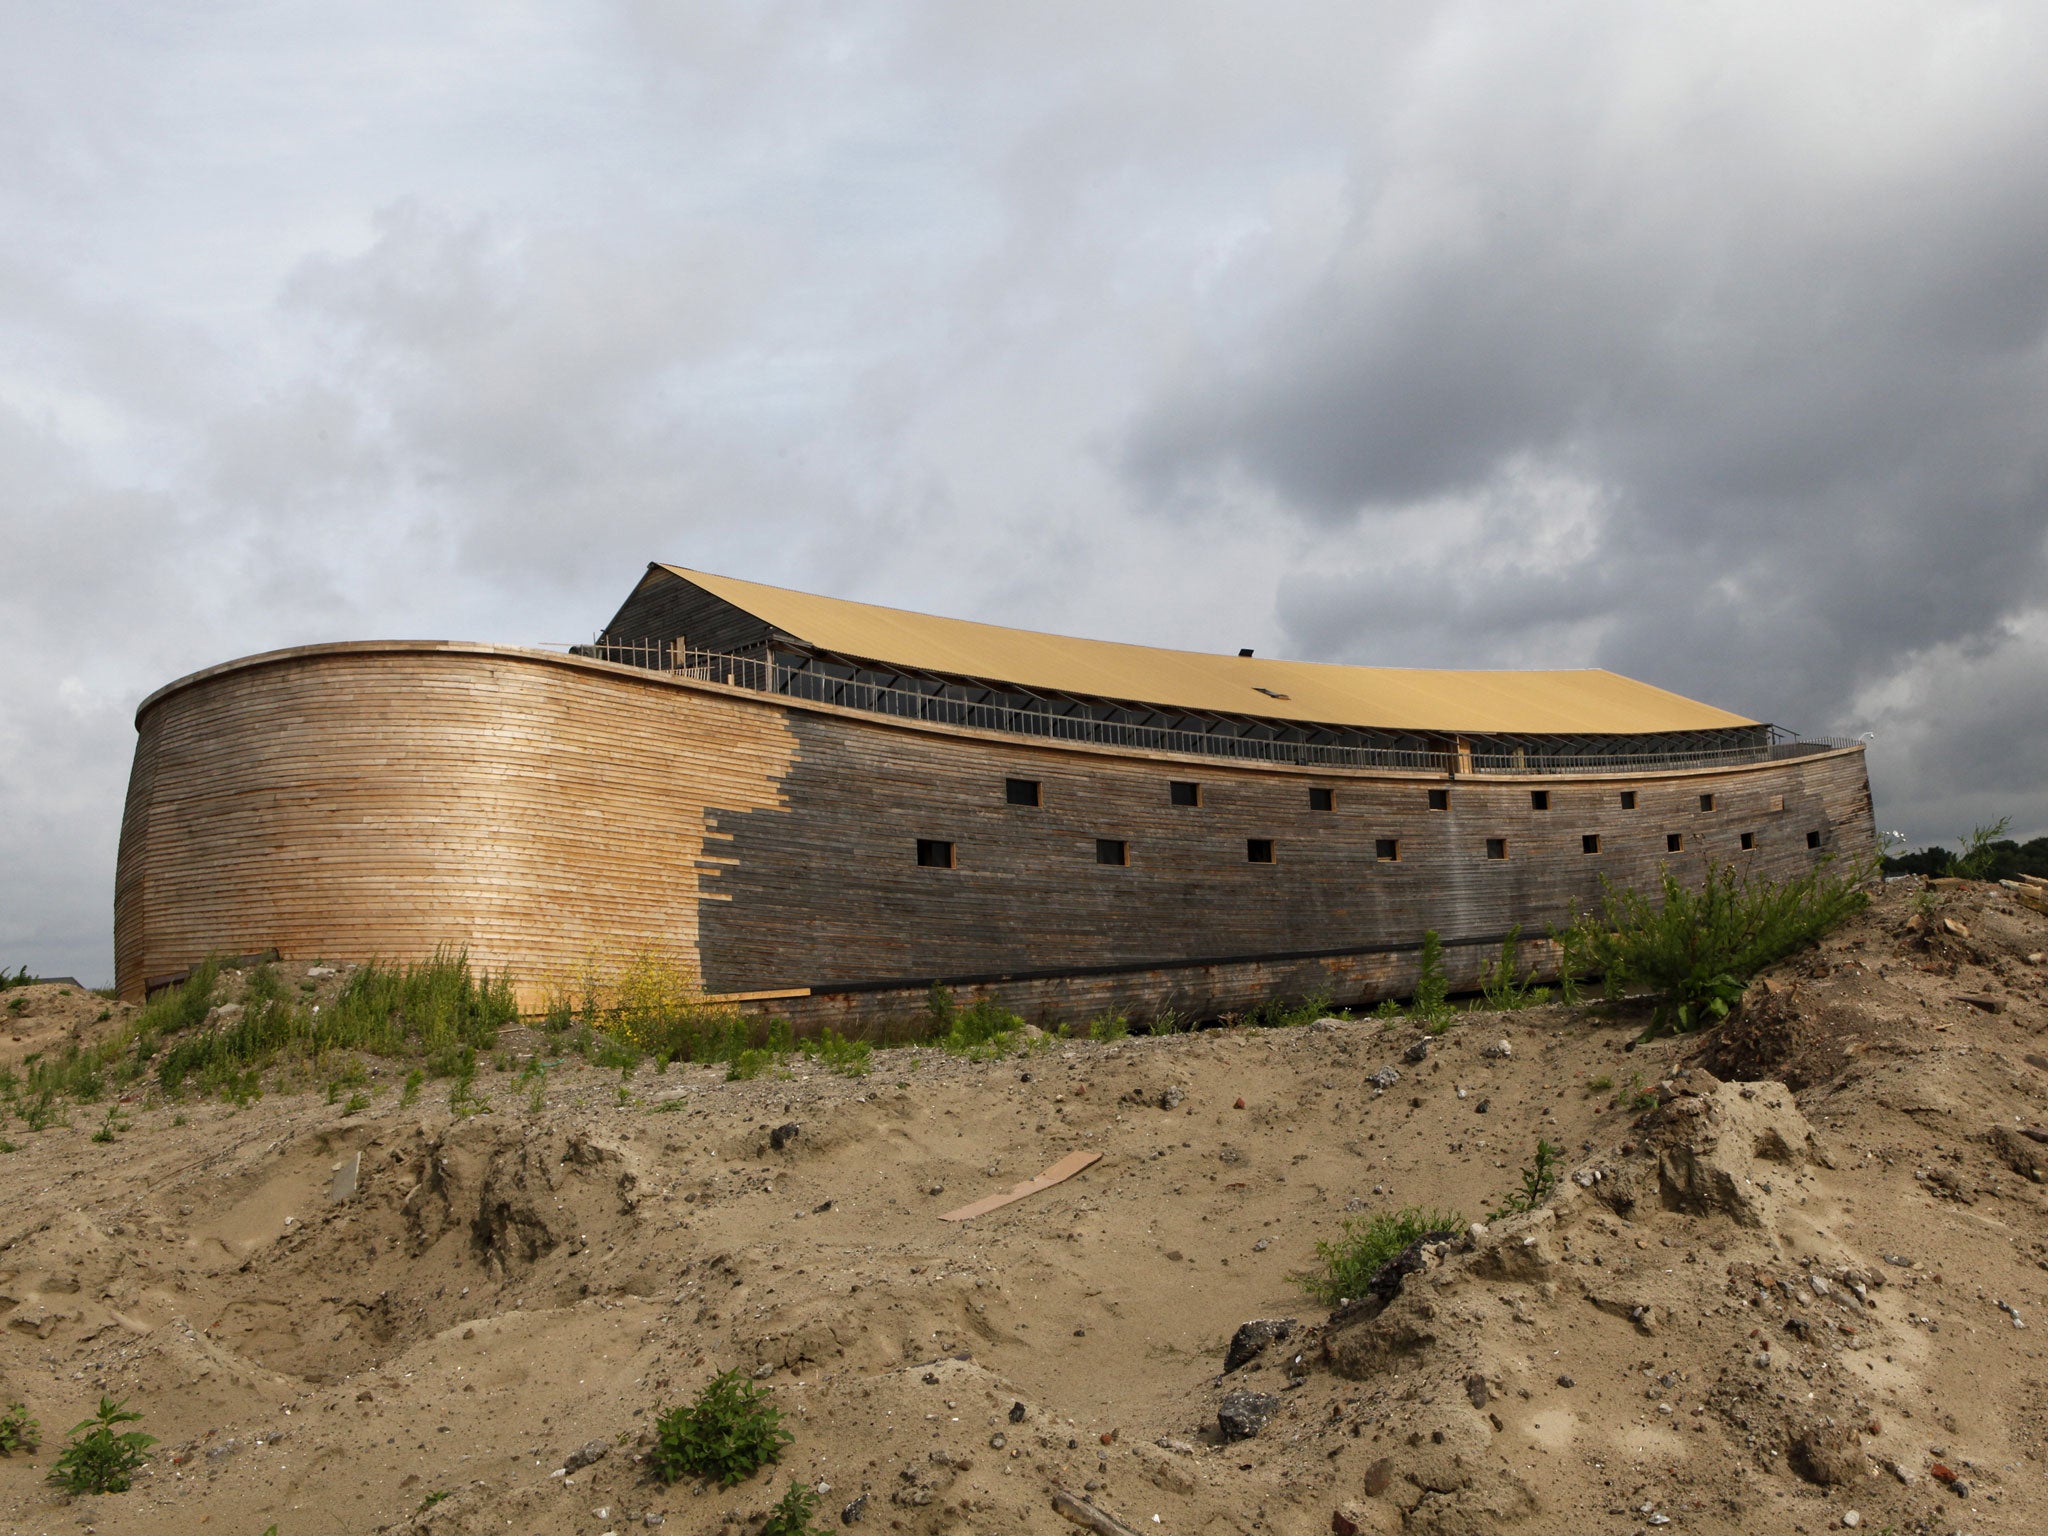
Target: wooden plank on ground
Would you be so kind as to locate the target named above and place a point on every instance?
(1058, 1173)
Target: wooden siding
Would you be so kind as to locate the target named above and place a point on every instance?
(343, 802)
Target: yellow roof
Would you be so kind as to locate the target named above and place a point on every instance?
(1586, 700)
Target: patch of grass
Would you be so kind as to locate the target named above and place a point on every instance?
(434, 1007)
(19, 1431)
(357, 1103)
(981, 1031)
(20, 978)
(729, 1433)
(99, 1460)
(1636, 1097)
(1170, 1021)
(1105, 1027)
(409, 1095)
(1352, 1261)
(792, 1513)
(1539, 1181)
(1280, 1013)
(1432, 1004)
(1603, 1083)
(1694, 949)
(849, 1058)
(114, 1123)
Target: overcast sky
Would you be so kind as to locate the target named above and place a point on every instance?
(1708, 343)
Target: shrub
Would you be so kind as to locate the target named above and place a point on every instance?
(1693, 949)
(792, 1513)
(98, 1460)
(18, 1431)
(1351, 1263)
(727, 1435)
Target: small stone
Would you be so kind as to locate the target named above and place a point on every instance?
(1417, 1051)
(1566, 1381)
(1500, 1050)
(1242, 1414)
(1482, 1106)
(856, 1510)
(1251, 1339)
(1379, 1477)
(585, 1454)
(783, 1135)
(1385, 1078)
(1171, 1098)
(936, 1189)
(1238, 1105)
(1342, 1524)
(1851, 1519)
(1476, 1389)
(1942, 1473)
(1017, 1412)
(998, 1440)
(1174, 1255)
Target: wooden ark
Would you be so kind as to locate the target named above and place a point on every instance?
(821, 808)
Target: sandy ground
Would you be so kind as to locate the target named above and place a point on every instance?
(1754, 1308)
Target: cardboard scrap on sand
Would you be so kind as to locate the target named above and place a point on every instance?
(1058, 1173)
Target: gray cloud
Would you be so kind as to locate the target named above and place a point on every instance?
(1706, 344)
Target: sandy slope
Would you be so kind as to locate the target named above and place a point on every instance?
(1739, 1293)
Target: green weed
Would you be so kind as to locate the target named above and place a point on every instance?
(849, 1058)
(18, 1430)
(1539, 1181)
(792, 1513)
(982, 1030)
(1352, 1262)
(1106, 1027)
(1501, 985)
(1602, 1083)
(1693, 949)
(1432, 1002)
(97, 1460)
(729, 1433)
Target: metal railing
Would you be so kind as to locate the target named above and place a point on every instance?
(945, 704)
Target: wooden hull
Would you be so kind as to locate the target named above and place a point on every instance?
(387, 799)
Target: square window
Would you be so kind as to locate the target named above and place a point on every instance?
(1022, 792)
(1496, 847)
(1112, 850)
(1539, 799)
(1258, 850)
(1813, 839)
(1674, 842)
(1184, 792)
(934, 854)
(1706, 802)
(1748, 841)
(1439, 799)
(1387, 850)
(1590, 843)
(1322, 799)
(1777, 802)
(1628, 799)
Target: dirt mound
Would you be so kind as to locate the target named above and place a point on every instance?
(1752, 1302)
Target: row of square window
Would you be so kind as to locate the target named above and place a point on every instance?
(1189, 792)
(933, 853)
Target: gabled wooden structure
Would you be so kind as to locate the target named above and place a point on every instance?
(823, 807)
